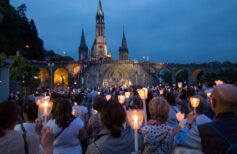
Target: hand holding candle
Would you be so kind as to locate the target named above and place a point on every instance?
(143, 95)
(135, 119)
(45, 107)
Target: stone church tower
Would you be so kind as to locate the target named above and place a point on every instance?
(123, 50)
(99, 49)
(83, 49)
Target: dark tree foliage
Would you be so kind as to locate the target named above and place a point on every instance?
(227, 75)
(18, 33)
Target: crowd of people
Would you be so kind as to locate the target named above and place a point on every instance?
(94, 121)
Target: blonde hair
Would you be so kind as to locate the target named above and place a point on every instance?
(159, 109)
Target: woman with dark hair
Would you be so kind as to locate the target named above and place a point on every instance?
(12, 142)
(78, 109)
(95, 124)
(68, 130)
(30, 113)
(172, 121)
(201, 117)
(192, 128)
(114, 138)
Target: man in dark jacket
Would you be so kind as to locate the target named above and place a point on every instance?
(224, 105)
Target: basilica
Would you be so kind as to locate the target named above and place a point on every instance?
(99, 50)
(96, 68)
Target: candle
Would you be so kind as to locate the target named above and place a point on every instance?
(135, 119)
(45, 107)
(180, 116)
(195, 102)
(143, 95)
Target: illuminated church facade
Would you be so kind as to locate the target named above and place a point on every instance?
(99, 50)
(96, 68)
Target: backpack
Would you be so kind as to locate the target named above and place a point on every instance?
(232, 148)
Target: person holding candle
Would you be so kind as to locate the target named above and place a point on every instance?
(172, 121)
(191, 127)
(224, 105)
(67, 129)
(158, 136)
(114, 138)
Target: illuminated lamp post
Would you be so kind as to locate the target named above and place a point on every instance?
(51, 65)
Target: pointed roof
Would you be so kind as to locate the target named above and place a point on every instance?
(100, 11)
(124, 42)
(83, 40)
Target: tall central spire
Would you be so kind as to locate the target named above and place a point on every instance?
(99, 48)
(100, 11)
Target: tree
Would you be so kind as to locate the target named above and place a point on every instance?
(17, 33)
(24, 73)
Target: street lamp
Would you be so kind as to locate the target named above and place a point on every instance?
(146, 58)
(51, 65)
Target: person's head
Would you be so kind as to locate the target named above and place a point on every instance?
(170, 97)
(224, 98)
(113, 116)
(9, 112)
(190, 92)
(78, 99)
(63, 112)
(136, 102)
(30, 111)
(159, 109)
(99, 103)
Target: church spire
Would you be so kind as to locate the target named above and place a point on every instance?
(124, 42)
(123, 50)
(83, 40)
(83, 49)
(99, 11)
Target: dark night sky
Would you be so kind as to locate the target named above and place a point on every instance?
(179, 31)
